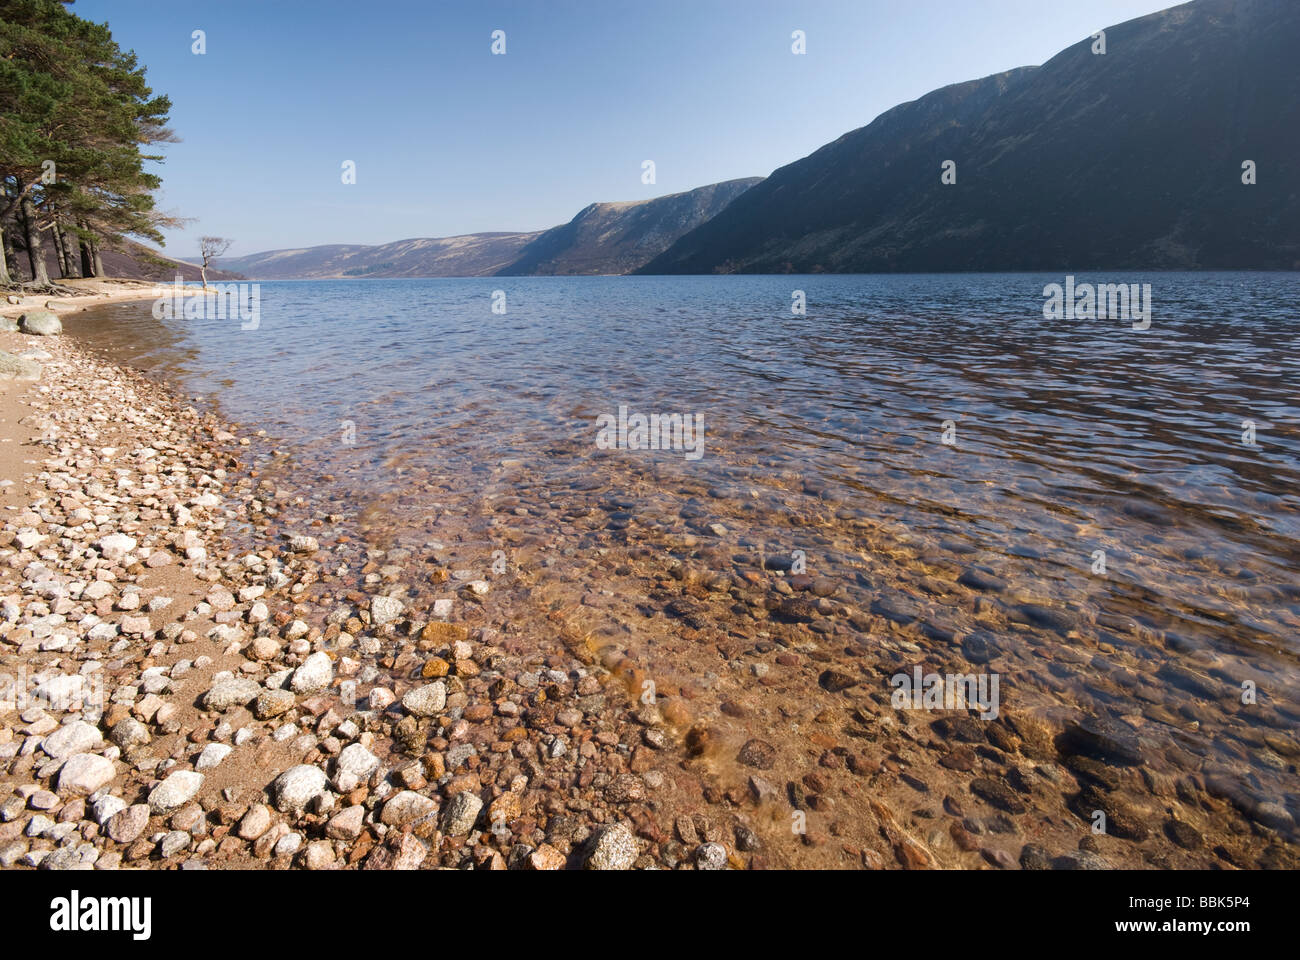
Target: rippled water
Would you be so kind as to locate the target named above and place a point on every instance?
(824, 434)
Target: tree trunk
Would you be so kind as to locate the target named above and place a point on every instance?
(61, 249)
(87, 264)
(203, 272)
(35, 243)
(95, 260)
(11, 258)
(4, 260)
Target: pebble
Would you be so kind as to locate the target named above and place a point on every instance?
(462, 811)
(612, 848)
(177, 790)
(406, 807)
(297, 787)
(315, 674)
(126, 825)
(211, 755)
(427, 700)
(84, 773)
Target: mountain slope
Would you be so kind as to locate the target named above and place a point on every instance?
(472, 255)
(603, 238)
(1131, 159)
(610, 238)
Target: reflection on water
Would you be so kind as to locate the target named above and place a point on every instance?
(1096, 529)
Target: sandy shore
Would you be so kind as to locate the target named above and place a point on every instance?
(91, 292)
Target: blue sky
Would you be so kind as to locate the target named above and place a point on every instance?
(449, 139)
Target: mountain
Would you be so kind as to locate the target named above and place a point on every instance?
(1131, 159)
(603, 238)
(472, 255)
(608, 238)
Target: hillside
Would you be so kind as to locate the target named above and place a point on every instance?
(472, 255)
(603, 238)
(612, 238)
(1131, 159)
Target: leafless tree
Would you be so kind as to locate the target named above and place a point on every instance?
(210, 248)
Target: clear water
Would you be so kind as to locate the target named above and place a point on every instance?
(414, 411)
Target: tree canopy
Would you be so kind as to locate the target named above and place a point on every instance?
(78, 123)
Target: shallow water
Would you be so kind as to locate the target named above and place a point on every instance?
(415, 412)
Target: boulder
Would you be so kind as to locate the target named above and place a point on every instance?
(41, 323)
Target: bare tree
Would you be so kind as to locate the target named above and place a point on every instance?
(210, 248)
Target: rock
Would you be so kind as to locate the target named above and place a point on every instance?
(265, 648)
(1080, 860)
(1102, 738)
(833, 681)
(231, 692)
(998, 794)
(177, 790)
(1034, 857)
(612, 848)
(105, 808)
(346, 825)
(211, 755)
(255, 822)
(18, 368)
(11, 853)
(40, 323)
(1272, 815)
(1183, 834)
(385, 610)
(546, 857)
(758, 753)
(297, 787)
(625, 788)
(461, 813)
(427, 700)
(318, 856)
(115, 546)
(710, 856)
(406, 807)
(314, 675)
(84, 773)
(75, 737)
(127, 825)
(407, 854)
(273, 703)
(357, 761)
(173, 843)
(288, 845)
(302, 544)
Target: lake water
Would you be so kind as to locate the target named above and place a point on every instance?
(1073, 504)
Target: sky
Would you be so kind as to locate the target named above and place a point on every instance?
(448, 138)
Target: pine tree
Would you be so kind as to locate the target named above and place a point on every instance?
(75, 113)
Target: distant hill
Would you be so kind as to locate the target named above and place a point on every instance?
(472, 255)
(611, 238)
(603, 238)
(1122, 160)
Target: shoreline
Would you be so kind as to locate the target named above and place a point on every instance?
(256, 707)
(167, 700)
